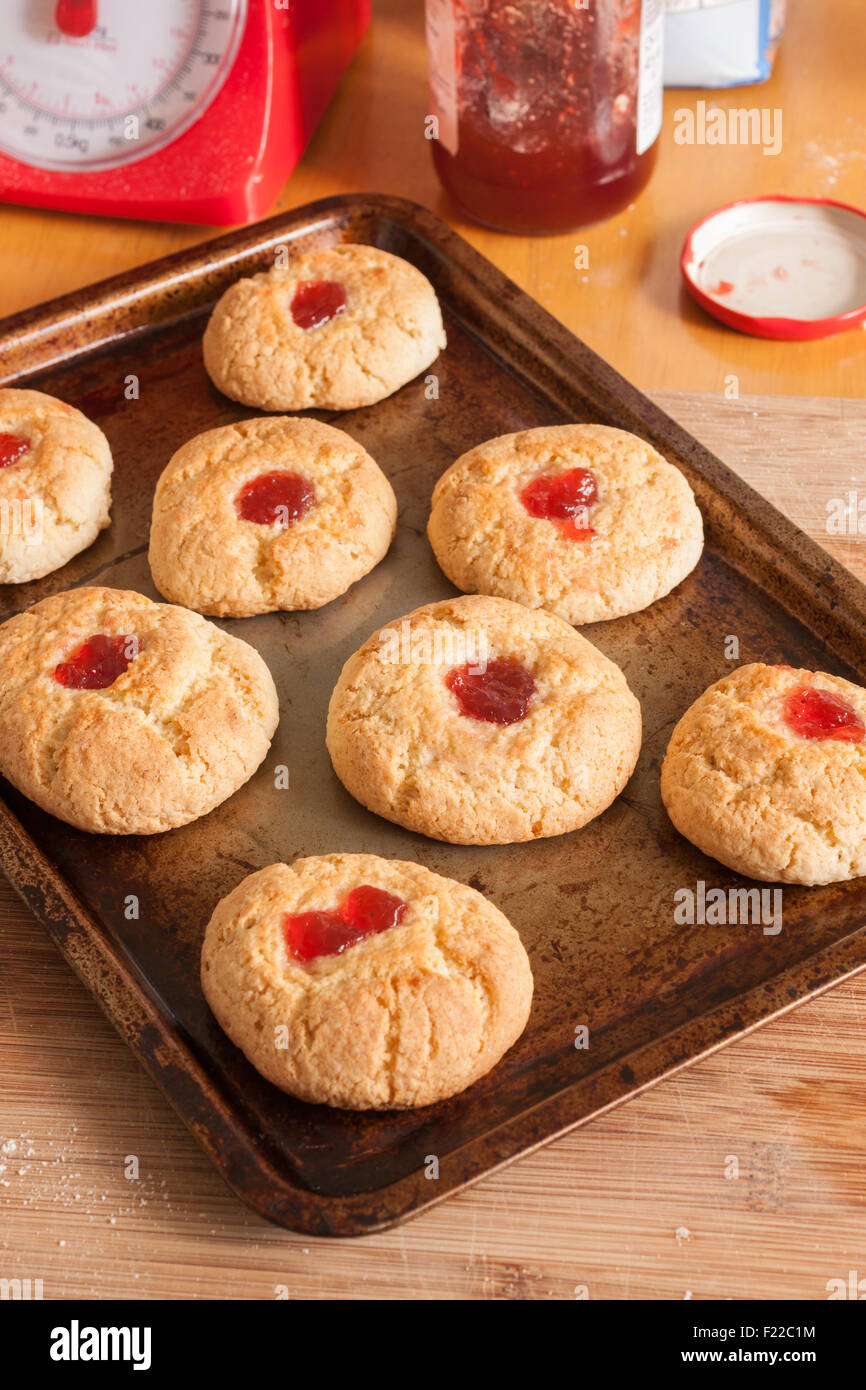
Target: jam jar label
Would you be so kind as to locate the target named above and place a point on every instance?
(442, 50)
(649, 95)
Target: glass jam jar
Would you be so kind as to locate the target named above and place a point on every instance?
(547, 111)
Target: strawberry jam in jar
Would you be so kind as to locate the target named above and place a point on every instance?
(546, 112)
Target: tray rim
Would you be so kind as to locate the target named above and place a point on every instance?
(113, 978)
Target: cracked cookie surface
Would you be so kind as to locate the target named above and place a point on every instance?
(204, 555)
(175, 734)
(648, 533)
(403, 1018)
(55, 496)
(747, 790)
(389, 331)
(400, 744)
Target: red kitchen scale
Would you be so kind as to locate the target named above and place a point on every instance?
(186, 110)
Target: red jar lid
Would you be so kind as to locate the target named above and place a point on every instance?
(780, 267)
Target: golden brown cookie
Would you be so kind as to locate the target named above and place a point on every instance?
(479, 722)
(766, 772)
(341, 327)
(365, 983)
(55, 484)
(126, 716)
(274, 513)
(583, 520)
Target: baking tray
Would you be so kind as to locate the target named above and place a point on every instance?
(595, 908)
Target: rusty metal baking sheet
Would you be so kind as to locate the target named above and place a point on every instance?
(595, 909)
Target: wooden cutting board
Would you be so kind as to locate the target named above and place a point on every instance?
(740, 1178)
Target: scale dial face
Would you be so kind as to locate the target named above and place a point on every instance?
(90, 84)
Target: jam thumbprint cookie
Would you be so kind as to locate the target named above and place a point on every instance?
(128, 717)
(268, 514)
(365, 983)
(583, 520)
(55, 484)
(766, 772)
(479, 721)
(340, 327)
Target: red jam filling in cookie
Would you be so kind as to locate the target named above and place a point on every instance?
(317, 301)
(564, 498)
(499, 694)
(280, 497)
(365, 911)
(815, 713)
(96, 663)
(12, 448)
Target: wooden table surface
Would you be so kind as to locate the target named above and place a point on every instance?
(638, 1203)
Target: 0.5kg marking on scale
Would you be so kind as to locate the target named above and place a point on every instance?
(72, 73)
